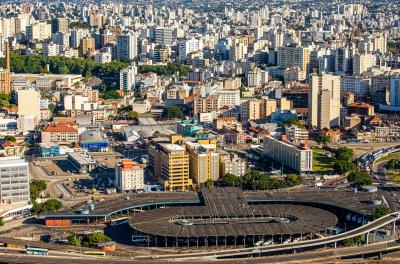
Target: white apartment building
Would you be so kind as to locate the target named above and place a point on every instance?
(129, 176)
(127, 47)
(229, 97)
(103, 57)
(357, 85)
(14, 180)
(188, 46)
(127, 78)
(38, 31)
(78, 102)
(298, 159)
(51, 49)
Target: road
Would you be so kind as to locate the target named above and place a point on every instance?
(320, 256)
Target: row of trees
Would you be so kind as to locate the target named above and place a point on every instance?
(255, 180)
(108, 72)
(49, 205)
(36, 188)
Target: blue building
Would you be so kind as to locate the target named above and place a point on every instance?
(48, 150)
(93, 141)
(188, 128)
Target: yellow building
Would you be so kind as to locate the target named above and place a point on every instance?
(250, 110)
(203, 161)
(268, 106)
(174, 161)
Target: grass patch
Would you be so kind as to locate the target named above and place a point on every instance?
(393, 175)
(321, 162)
(395, 155)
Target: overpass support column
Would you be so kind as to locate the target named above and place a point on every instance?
(335, 244)
(366, 238)
(393, 228)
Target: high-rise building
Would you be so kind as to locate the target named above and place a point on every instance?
(129, 176)
(188, 46)
(268, 106)
(342, 60)
(203, 161)
(14, 180)
(38, 31)
(174, 164)
(250, 110)
(87, 45)
(29, 104)
(50, 49)
(232, 164)
(163, 36)
(294, 56)
(324, 101)
(127, 78)
(206, 104)
(5, 82)
(362, 62)
(60, 24)
(127, 47)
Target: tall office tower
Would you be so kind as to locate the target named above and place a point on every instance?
(127, 78)
(129, 176)
(294, 56)
(188, 46)
(5, 82)
(324, 101)
(97, 20)
(203, 161)
(394, 92)
(342, 60)
(127, 47)
(29, 104)
(174, 164)
(60, 24)
(14, 180)
(87, 45)
(238, 51)
(362, 62)
(163, 36)
(277, 38)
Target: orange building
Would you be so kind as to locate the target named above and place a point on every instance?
(5, 83)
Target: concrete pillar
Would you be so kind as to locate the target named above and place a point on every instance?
(366, 238)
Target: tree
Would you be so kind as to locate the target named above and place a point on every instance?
(133, 114)
(343, 166)
(5, 100)
(324, 139)
(293, 180)
(94, 238)
(359, 178)
(230, 180)
(344, 153)
(172, 112)
(74, 240)
(1, 221)
(10, 138)
(354, 241)
(113, 94)
(380, 211)
(48, 206)
(209, 183)
(36, 187)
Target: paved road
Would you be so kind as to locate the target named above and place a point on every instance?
(319, 256)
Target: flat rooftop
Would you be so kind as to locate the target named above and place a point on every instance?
(81, 158)
(12, 161)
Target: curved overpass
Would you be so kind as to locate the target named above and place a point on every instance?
(365, 229)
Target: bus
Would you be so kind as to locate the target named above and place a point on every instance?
(141, 239)
(96, 253)
(119, 221)
(37, 251)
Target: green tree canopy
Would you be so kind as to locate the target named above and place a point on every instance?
(94, 238)
(230, 180)
(112, 94)
(36, 187)
(344, 153)
(343, 166)
(359, 178)
(10, 138)
(172, 112)
(74, 240)
(380, 211)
